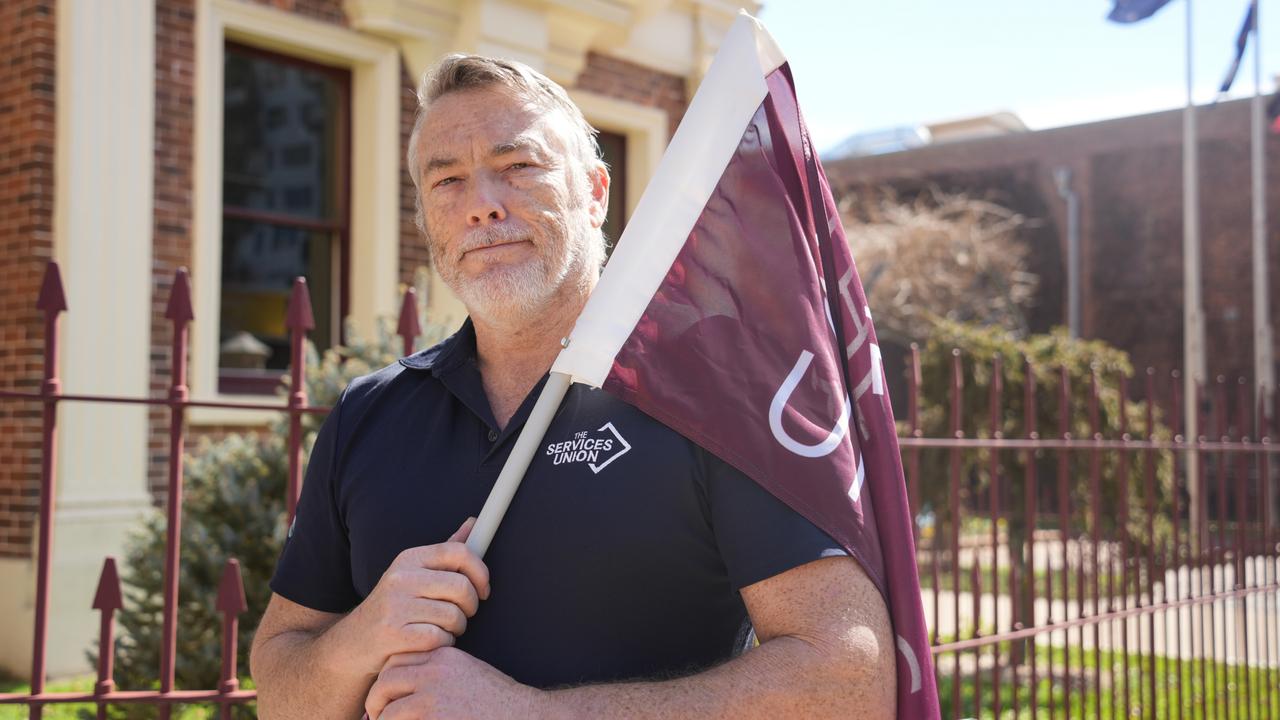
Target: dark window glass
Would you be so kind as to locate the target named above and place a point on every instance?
(613, 150)
(285, 125)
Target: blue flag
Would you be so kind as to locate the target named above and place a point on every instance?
(1242, 39)
(1131, 11)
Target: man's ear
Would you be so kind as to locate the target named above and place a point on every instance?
(598, 177)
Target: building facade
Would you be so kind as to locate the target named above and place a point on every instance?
(1126, 175)
(249, 141)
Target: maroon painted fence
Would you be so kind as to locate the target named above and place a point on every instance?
(1153, 606)
(1118, 596)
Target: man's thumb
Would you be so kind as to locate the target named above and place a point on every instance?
(463, 532)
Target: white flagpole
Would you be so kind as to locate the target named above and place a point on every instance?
(1263, 360)
(504, 488)
(1193, 359)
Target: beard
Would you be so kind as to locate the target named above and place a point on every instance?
(565, 252)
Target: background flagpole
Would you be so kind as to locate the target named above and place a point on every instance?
(1192, 315)
(1263, 361)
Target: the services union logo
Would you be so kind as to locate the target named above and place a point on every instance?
(596, 449)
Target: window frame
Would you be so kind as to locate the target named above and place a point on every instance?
(268, 382)
(376, 158)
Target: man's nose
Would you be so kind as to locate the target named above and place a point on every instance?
(485, 203)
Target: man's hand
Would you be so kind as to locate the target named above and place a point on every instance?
(446, 683)
(421, 603)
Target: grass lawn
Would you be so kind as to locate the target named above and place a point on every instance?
(1222, 694)
(80, 711)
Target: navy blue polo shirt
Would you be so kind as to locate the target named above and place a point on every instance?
(620, 557)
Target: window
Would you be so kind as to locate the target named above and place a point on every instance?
(286, 126)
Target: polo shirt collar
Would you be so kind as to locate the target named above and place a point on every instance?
(447, 354)
(453, 362)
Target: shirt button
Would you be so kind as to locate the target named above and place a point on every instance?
(493, 435)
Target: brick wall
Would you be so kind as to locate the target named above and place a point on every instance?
(413, 249)
(27, 45)
(626, 80)
(171, 244)
(1128, 175)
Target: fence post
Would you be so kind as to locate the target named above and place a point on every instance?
(408, 328)
(52, 302)
(107, 600)
(179, 313)
(299, 322)
(1028, 616)
(231, 602)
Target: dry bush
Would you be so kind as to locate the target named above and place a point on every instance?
(940, 256)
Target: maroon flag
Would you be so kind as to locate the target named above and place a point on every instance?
(733, 313)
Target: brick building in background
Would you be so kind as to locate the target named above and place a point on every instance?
(250, 141)
(1127, 175)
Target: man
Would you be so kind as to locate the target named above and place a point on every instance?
(625, 572)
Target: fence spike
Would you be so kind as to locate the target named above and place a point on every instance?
(108, 598)
(299, 316)
(231, 597)
(52, 298)
(408, 327)
(231, 603)
(179, 307)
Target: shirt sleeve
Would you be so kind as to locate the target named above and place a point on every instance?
(314, 568)
(759, 535)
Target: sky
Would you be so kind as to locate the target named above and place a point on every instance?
(863, 65)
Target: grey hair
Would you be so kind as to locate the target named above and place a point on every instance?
(458, 72)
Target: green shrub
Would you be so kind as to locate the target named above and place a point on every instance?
(1120, 478)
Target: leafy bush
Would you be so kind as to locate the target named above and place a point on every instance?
(1120, 478)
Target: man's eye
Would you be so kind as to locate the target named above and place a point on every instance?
(445, 181)
(518, 166)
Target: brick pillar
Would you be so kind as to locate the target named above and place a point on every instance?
(28, 29)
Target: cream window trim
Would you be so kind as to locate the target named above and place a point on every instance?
(644, 127)
(375, 180)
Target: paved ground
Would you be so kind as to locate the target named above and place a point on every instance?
(1224, 629)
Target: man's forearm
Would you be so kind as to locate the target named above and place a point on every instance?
(299, 676)
(785, 677)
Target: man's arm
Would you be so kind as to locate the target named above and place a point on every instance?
(312, 664)
(826, 650)
(296, 664)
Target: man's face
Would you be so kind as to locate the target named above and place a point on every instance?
(510, 210)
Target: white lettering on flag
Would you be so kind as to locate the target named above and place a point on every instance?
(874, 377)
(780, 402)
(913, 663)
(856, 490)
(863, 328)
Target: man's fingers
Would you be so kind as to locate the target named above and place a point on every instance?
(442, 585)
(392, 684)
(423, 638)
(455, 557)
(400, 708)
(406, 658)
(462, 533)
(442, 613)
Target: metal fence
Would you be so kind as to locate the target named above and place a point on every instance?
(1042, 603)
(1105, 575)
